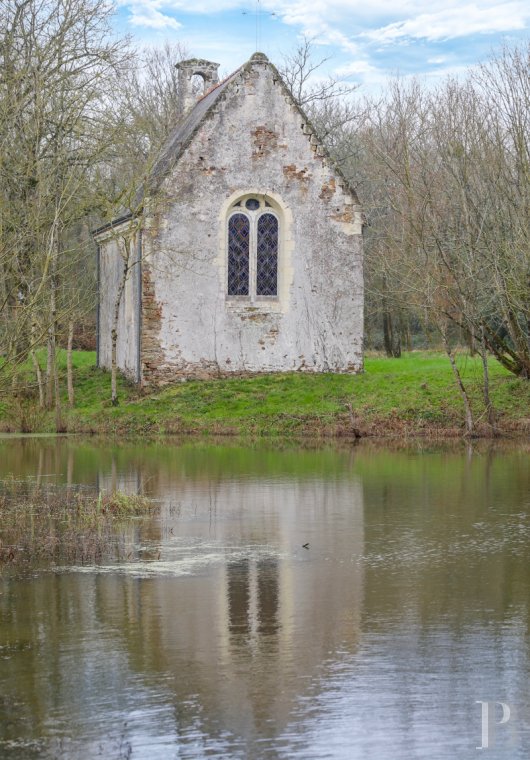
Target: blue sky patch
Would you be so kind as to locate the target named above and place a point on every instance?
(365, 42)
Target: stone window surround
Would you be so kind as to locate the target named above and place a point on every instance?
(253, 216)
(263, 304)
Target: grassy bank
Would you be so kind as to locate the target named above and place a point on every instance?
(413, 395)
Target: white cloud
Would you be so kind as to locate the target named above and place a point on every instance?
(153, 19)
(316, 20)
(204, 6)
(366, 39)
(364, 73)
(147, 13)
(354, 68)
(344, 23)
(458, 21)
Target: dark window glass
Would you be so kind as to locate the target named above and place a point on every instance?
(267, 256)
(238, 259)
(252, 204)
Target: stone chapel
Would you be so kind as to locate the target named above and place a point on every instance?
(246, 255)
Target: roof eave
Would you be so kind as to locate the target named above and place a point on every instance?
(114, 223)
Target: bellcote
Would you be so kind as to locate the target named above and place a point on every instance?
(187, 70)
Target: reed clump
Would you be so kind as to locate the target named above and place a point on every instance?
(51, 525)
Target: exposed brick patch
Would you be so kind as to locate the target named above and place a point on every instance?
(265, 142)
(152, 356)
(166, 374)
(328, 190)
(347, 216)
(291, 172)
(210, 371)
(254, 317)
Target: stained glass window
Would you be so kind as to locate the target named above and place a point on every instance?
(267, 255)
(238, 255)
(253, 249)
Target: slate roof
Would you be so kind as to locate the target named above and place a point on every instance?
(176, 143)
(182, 133)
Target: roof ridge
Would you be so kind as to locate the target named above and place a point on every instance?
(215, 86)
(189, 122)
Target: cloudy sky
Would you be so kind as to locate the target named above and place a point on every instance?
(367, 40)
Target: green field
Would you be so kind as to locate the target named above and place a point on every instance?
(415, 394)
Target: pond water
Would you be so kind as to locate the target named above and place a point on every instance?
(401, 629)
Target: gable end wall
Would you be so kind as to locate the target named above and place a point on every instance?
(255, 141)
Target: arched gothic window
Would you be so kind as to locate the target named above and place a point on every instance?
(253, 249)
(238, 255)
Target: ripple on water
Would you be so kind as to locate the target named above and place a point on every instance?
(179, 560)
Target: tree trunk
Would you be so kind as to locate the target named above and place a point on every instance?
(50, 363)
(387, 331)
(520, 342)
(59, 427)
(40, 381)
(69, 368)
(53, 370)
(116, 317)
(38, 371)
(407, 334)
(471, 341)
(114, 368)
(490, 409)
(470, 425)
(392, 345)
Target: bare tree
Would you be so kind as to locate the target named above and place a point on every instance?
(56, 59)
(326, 100)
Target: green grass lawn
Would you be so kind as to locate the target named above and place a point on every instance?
(413, 394)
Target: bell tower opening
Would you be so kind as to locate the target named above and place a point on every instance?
(195, 77)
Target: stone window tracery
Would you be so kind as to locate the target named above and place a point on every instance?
(267, 255)
(253, 248)
(238, 255)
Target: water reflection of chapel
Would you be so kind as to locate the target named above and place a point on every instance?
(261, 607)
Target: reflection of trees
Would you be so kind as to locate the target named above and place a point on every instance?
(167, 463)
(449, 536)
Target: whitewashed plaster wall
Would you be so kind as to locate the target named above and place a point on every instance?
(255, 142)
(111, 265)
